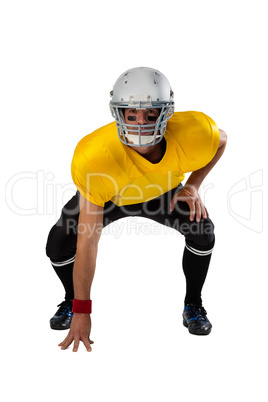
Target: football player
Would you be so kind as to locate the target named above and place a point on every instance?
(135, 166)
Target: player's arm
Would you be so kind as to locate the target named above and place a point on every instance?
(89, 232)
(189, 193)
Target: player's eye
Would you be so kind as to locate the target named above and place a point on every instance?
(130, 117)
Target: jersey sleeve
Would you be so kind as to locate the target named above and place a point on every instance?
(91, 183)
(198, 143)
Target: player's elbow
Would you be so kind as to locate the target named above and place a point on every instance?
(223, 138)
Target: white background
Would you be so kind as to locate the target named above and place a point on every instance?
(60, 60)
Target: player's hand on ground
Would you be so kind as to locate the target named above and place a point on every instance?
(190, 195)
(79, 331)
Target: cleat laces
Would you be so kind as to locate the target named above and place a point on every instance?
(63, 307)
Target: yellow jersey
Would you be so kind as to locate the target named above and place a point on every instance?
(104, 169)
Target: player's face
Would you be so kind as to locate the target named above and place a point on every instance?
(141, 117)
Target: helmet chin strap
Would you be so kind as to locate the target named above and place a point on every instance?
(145, 139)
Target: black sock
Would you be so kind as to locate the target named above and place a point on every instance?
(65, 273)
(195, 268)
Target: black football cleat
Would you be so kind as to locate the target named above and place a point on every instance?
(195, 319)
(63, 316)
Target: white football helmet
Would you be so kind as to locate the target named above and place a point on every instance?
(141, 88)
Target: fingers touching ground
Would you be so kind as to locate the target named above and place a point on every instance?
(79, 331)
(76, 339)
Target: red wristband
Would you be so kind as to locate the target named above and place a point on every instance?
(82, 306)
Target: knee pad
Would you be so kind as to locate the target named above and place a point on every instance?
(201, 235)
(52, 243)
(61, 243)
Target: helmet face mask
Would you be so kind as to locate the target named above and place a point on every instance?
(142, 88)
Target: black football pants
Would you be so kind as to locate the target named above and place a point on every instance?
(199, 238)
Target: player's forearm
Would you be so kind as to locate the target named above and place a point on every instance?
(84, 270)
